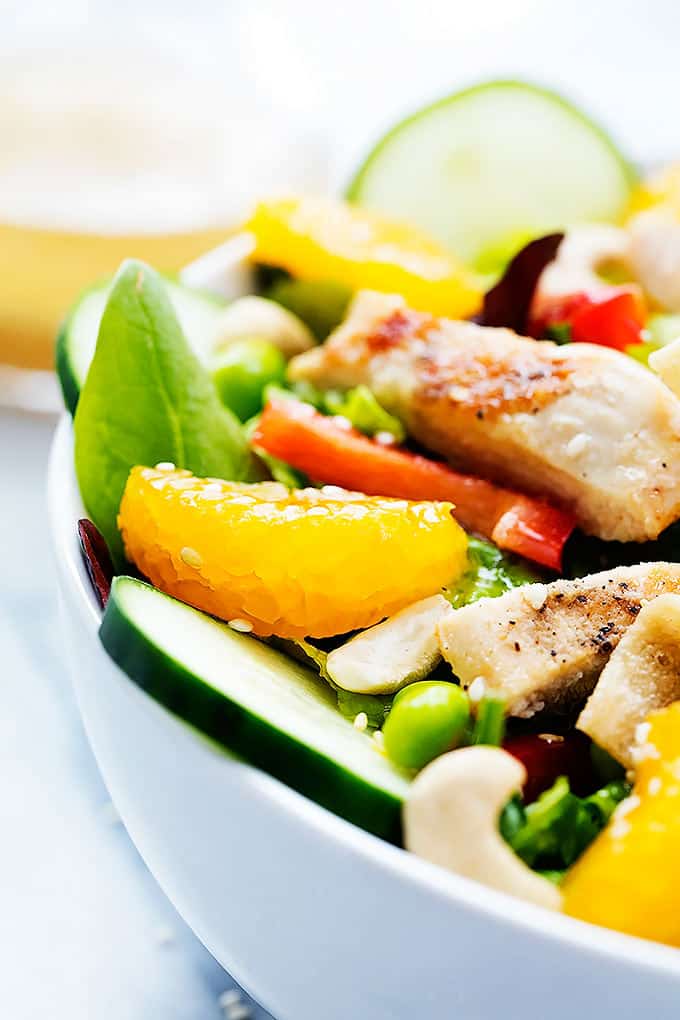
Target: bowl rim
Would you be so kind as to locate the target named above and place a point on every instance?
(62, 491)
(226, 272)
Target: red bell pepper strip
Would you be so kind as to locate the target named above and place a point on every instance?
(614, 318)
(335, 455)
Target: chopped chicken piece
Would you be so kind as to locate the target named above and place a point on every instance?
(544, 645)
(582, 424)
(643, 674)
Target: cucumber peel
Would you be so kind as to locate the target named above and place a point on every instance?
(257, 702)
(490, 167)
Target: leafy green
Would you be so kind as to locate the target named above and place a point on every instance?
(364, 412)
(301, 390)
(489, 727)
(315, 657)
(350, 704)
(147, 399)
(490, 573)
(558, 332)
(321, 304)
(359, 406)
(553, 832)
(376, 707)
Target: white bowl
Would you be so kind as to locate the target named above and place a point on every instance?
(314, 917)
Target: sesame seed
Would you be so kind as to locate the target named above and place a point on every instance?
(654, 786)
(360, 721)
(191, 557)
(232, 997)
(165, 465)
(379, 740)
(626, 806)
(642, 731)
(165, 935)
(239, 1012)
(242, 626)
(620, 829)
(385, 438)
(577, 444)
(342, 422)
(477, 689)
(643, 752)
(535, 595)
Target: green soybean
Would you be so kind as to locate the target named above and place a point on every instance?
(427, 719)
(242, 370)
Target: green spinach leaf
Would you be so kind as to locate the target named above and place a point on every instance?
(147, 399)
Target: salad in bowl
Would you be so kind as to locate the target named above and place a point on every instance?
(399, 526)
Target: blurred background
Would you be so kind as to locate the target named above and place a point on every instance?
(145, 128)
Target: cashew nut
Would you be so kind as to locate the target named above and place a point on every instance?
(643, 674)
(655, 255)
(394, 653)
(451, 818)
(258, 317)
(666, 363)
(583, 252)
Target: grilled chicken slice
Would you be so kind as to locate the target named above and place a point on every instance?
(584, 425)
(544, 645)
(643, 674)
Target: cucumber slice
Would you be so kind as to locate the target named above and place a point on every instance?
(261, 705)
(197, 312)
(489, 168)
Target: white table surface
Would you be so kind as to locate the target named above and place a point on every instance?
(85, 932)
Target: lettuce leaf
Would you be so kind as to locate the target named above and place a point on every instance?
(490, 573)
(364, 412)
(553, 832)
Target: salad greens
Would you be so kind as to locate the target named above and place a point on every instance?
(490, 573)
(147, 399)
(358, 406)
(553, 832)
(376, 707)
(362, 409)
(489, 726)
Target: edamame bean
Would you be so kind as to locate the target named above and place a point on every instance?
(243, 369)
(427, 719)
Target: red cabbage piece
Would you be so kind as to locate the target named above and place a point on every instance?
(97, 559)
(509, 302)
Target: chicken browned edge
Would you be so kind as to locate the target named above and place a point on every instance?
(543, 646)
(585, 426)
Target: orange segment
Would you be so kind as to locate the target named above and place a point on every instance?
(627, 880)
(304, 563)
(322, 239)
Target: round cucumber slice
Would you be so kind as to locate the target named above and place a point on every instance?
(489, 168)
(197, 312)
(259, 704)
